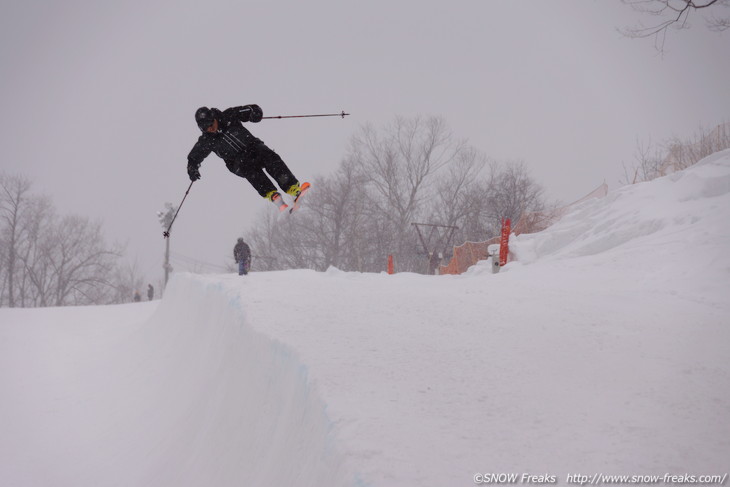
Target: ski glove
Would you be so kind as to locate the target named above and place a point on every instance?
(193, 172)
(256, 113)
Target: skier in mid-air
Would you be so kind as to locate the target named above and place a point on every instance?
(245, 155)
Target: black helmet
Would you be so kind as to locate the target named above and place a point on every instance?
(204, 117)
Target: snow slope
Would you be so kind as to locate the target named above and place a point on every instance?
(604, 349)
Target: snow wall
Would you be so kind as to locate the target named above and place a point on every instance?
(231, 407)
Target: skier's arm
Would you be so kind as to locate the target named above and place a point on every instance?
(200, 151)
(246, 113)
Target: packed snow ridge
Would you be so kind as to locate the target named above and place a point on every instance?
(602, 348)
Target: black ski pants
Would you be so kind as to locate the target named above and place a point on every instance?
(257, 159)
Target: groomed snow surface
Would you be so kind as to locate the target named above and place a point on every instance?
(605, 348)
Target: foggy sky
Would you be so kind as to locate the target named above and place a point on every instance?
(98, 98)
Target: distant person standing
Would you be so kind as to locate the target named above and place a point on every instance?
(137, 297)
(150, 292)
(242, 254)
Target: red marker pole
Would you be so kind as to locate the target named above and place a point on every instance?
(504, 242)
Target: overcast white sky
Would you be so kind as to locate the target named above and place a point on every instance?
(98, 97)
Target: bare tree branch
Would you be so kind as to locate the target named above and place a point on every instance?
(673, 13)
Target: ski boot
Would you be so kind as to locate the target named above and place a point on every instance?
(297, 191)
(275, 197)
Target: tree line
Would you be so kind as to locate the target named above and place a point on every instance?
(675, 153)
(413, 170)
(48, 259)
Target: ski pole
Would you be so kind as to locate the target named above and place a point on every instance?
(341, 114)
(166, 233)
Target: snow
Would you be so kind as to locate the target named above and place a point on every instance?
(605, 348)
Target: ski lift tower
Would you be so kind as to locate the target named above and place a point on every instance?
(446, 233)
(165, 217)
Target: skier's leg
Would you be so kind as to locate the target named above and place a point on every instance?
(256, 176)
(261, 183)
(241, 268)
(276, 167)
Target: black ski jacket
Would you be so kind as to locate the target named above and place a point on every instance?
(241, 251)
(231, 142)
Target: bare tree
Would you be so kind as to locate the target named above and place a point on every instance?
(81, 261)
(400, 164)
(14, 205)
(674, 13)
(47, 260)
(453, 198)
(126, 278)
(648, 160)
(458, 204)
(334, 215)
(68, 263)
(38, 218)
(511, 193)
(683, 153)
(264, 238)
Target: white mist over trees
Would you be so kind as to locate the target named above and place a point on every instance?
(414, 170)
(48, 259)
